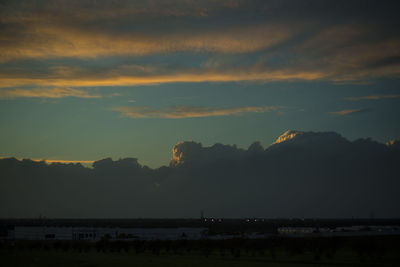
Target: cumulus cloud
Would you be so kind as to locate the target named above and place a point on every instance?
(190, 152)
(349, 111)
(46, 93)
(373, 97)
(180, 112)
(394, 144)
(288, 135)
(300, 175)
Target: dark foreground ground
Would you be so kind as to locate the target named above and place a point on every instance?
(277, 251)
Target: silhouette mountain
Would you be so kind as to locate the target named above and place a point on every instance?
(302, 174)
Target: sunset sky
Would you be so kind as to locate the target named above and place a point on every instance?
(84, 80)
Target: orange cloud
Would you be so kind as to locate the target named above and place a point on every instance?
(180, 112)
(45, 93)
(133, 75)
(58, 160)
(350, 53)
(373, 97)
(347, 52)
(348, 111)
(121, 77)
(67, 161)
(45, 40)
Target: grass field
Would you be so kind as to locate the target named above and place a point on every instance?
(90, 257)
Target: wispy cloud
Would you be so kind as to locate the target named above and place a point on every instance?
(253, 41)
(45, 93)
(122, 77)
(373, 97)
(137, 28)
(349, 111)
(63, 41)
(57, 160)
(180, 112)
(68, 161)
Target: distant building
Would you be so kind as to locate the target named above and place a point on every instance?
(296, 230)
(97, 233)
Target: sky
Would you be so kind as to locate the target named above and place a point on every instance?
(84, 80)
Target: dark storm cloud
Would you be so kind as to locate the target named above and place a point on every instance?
(302, 174)
(342, 41)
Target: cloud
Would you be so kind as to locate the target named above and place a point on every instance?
(180, 112)
(252, 41)
(137, 75)
(57, 41)
(68, 161)
(349, 111)
(351, 52)
(45, 93)
(88, 30)
(190, 152)
(300, 175)
(373, 97)
(62, 161)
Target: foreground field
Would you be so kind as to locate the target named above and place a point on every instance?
(288, 252)
(95, 259)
